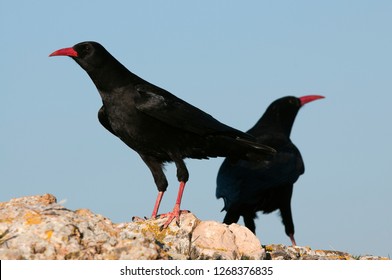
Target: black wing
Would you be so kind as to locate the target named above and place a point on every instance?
(170, 109)
(164, 106)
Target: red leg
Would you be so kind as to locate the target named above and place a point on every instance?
(175, 214)
(156, 206)
(292, 239)
(154, 211)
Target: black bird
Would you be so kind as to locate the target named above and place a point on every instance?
(156, 124)
(249, 186)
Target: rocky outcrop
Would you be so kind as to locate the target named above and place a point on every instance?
(37, 227)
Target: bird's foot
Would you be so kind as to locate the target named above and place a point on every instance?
(293, 243)
(174, 215)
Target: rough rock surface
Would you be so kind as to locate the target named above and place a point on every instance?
(37, 227)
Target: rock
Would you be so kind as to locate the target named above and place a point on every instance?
(282, 252)
(213, 240)
(37, 227)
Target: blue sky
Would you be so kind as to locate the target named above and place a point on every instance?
(231, 59)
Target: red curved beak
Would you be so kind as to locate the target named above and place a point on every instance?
(65, 51)
(309, 98)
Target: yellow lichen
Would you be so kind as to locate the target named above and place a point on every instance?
(269, 248)
(213, 248)
(32, 218)
(343, 258)
(7, 220)
(159, 234)
(48, 234)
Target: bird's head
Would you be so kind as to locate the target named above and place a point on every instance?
(105, 71)
(89, 55)
(287, 107)
(282, 112)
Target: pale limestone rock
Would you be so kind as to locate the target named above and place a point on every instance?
(213, 240)
(37, 227)
(248, 245)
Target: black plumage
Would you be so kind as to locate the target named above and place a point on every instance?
(156, 124)
(249, 186)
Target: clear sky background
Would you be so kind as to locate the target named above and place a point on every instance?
(231, 59)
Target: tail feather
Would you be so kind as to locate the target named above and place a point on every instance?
(258, 146)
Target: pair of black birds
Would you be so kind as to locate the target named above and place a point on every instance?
(261, 165)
